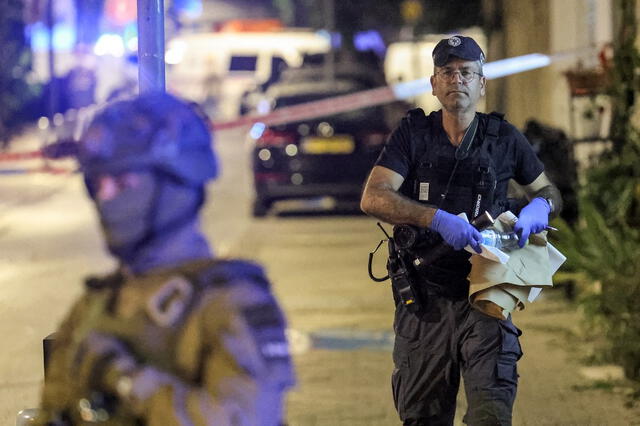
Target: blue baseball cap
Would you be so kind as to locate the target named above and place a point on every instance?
(457, 46)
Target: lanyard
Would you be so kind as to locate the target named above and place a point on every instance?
(461, 153)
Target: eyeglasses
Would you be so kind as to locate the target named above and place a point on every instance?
(466, 76)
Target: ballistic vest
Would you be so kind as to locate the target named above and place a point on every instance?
(471, 188)
(472, 185)
(169, 312)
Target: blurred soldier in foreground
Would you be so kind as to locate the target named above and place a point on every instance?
(174, 336)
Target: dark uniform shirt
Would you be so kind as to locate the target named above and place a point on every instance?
(512, 157)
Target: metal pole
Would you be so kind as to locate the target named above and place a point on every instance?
(53, 86)
(151, 46)
(330, 21)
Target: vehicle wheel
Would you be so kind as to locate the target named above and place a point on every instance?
(260, 207)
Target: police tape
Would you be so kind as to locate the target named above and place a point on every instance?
(365, 98)
(28, 157)
(386, 94)
(40, 169)
(19, 156)
(378, 96)
(315, 109)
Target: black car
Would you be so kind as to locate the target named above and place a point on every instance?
(325, 156)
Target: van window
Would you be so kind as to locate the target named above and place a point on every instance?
(243, 63)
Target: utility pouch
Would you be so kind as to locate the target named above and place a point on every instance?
(401, 281)
(402, 278)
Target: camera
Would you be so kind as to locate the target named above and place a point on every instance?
(410, 237)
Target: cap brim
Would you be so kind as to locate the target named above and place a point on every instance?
(443, 60)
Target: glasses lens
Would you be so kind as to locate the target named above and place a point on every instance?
(465, 75)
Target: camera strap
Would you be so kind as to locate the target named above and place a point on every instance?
(462, 152)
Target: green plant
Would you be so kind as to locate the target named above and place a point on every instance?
(603, 247)
(606, 260)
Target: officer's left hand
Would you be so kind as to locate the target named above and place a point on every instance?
(98, 356)
(533, 218)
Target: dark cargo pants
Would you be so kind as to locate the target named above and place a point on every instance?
(434, 347)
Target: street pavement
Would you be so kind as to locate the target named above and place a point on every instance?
(340, 321)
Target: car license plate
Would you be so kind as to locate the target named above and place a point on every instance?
(332, 145)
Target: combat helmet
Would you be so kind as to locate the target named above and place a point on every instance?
(152, 131)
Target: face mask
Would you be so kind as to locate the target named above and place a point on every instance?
(126, 217)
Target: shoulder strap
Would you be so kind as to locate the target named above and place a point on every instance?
(417, 119)
(221, 272)
(493, 128)
(467, 140)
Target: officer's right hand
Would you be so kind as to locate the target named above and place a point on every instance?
(455, 231)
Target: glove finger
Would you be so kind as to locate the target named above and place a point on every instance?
(517, 227)
(476, 240)
(538, 227)
(476, 247)
(524, 237)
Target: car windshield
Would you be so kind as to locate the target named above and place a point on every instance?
(243, 63)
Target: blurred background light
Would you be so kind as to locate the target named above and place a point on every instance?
(130, 36)
(109, 44)
(257, 130)
(334, 38)
(370, 40)
(188, 8)
(515, 65)
(64, 36)
(175, 52)
(120, 12)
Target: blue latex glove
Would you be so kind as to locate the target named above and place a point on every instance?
(455, 231)
(533, 218)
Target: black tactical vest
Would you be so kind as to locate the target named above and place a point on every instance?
(472, 186)
(471, 190)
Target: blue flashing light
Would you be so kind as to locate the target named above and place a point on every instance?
(369, 40)
(64, 36)
(190, 8)
(257, 130)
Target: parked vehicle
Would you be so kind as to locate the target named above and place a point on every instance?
(324, 156)
(219, 67)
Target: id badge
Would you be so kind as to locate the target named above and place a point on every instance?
(423, 191)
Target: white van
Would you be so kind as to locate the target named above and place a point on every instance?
(215, 69)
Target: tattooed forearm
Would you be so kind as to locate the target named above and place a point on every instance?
(392, 207)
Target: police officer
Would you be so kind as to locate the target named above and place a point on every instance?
(174, 336)
(433, 168)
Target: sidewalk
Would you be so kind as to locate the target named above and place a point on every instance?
(343, 386)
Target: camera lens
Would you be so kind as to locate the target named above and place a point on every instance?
(405, 236)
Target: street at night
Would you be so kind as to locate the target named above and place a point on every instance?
(340, 320)
(319, 213)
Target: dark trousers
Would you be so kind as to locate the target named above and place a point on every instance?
(444, 340)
